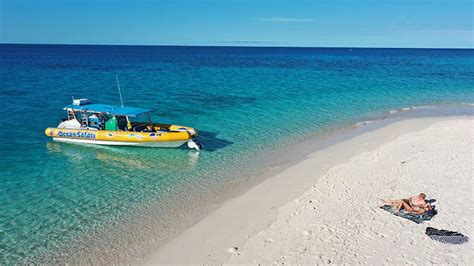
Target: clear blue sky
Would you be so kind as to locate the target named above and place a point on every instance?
(354, 23)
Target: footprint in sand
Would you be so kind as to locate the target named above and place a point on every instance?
(307, 233)
(269, 240)
(234, 250)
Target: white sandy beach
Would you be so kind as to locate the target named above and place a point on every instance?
(325, 209)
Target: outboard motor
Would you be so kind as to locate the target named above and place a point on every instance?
(194, 144)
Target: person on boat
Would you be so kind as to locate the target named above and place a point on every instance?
(70, 115)
(416, 204)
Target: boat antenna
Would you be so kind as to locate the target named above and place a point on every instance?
(120, 93)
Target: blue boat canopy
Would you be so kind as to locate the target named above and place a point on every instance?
(109, 109)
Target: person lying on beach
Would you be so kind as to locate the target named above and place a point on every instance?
(416, 204)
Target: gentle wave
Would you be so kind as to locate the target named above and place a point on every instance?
(400, 111)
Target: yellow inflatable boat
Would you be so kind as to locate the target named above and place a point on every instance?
(111, 125)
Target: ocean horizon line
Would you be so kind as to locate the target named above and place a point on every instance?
(242, 46)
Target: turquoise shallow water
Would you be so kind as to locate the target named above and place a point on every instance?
(244, 101)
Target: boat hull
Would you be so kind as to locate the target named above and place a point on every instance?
(120, 138)
(162, 144)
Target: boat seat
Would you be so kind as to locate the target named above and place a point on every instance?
(122, 123)
(139, 128)
(95, 126)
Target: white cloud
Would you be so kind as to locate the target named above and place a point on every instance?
(287, 20)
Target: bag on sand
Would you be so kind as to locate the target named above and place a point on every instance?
(445, 236)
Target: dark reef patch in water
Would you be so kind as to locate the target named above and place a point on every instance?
(15, 92)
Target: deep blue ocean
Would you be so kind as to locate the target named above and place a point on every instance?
(62, 201)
